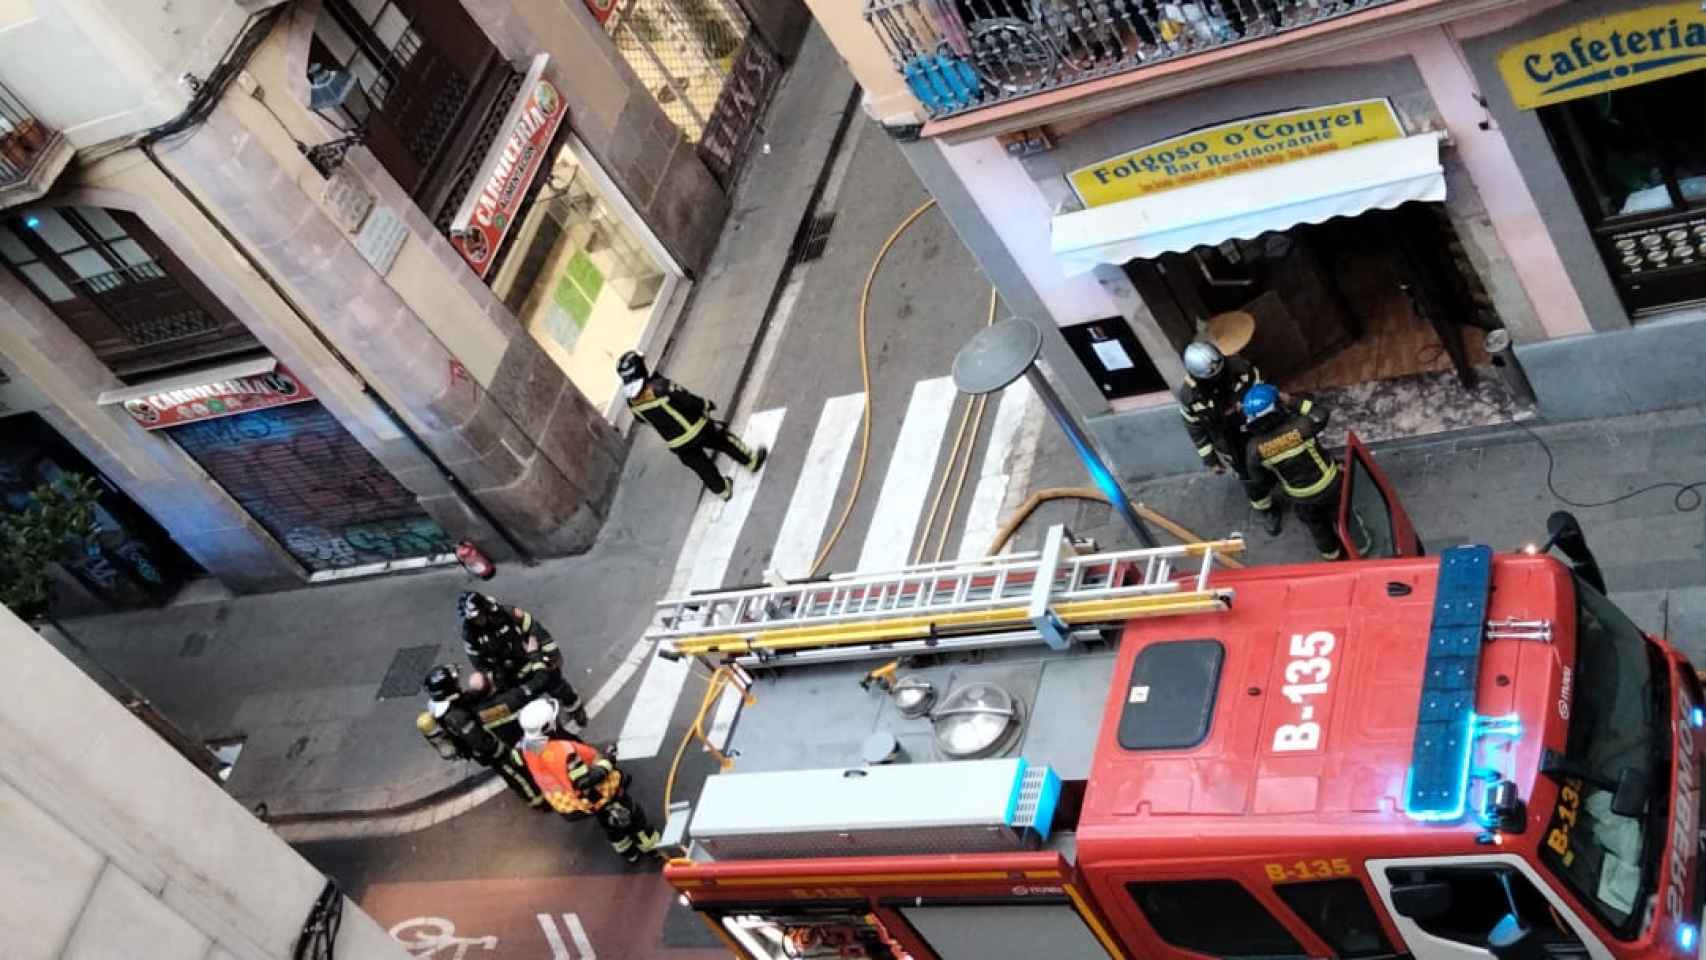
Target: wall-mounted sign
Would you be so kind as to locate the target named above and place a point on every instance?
(1236, 147)
(380, 239)
(489, 211)
(222, 398)
(1610, 53)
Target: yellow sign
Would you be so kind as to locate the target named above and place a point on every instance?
(1611, 53)
(1236, 147)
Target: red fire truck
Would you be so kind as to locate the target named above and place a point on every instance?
(1446, 758)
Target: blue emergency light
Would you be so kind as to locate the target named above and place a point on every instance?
(1437, 787)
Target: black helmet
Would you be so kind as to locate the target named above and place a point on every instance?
(631, 366)
(443, 682)
(473, 607)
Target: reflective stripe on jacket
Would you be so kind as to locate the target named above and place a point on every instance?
(559, 767)
(1290, 451)
(678, 416)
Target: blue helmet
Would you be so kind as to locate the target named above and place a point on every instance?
(1259, 401)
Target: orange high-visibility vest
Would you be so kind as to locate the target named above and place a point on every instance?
(550, 769)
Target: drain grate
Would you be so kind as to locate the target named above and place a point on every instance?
(815, 237)
(408, 667)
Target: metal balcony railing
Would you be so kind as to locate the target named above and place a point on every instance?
(23, 138)
(959, 55)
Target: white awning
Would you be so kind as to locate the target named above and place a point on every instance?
(1246, 205)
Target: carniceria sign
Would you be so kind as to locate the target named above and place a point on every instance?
(1598, 56)
(1235, 147)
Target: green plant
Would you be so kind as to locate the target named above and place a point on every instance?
(58, 520)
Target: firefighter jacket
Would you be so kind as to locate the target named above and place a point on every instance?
(677, 415)
(1289, 451)
(574, 777)
(1213, 415)
(460, 726)
(503, 650)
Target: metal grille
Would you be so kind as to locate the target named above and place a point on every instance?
(683, 51)
(310, 484)
(408, 667)
(441, 119)
(815, 237)
(483, 139)
(958, 55)
(23, 138)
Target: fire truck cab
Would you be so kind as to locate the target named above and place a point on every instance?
(1459, 757)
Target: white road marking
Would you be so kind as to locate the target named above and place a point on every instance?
(723, 718)
(1012, 440)
(701, 566)
(559, 949)
(578, 934)
(888, 540)
(814, 493)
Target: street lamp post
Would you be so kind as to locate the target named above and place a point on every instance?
(1006, 351)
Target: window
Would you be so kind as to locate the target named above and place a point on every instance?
(1339, 913)
(1477, 901)
(372, 39)
(1216, 917)
(1369, 520)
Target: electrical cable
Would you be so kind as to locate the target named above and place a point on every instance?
(1688, 496)
(319, 934)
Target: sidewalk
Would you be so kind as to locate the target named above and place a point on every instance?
(323, 683)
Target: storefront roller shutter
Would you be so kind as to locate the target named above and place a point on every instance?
(311, 485)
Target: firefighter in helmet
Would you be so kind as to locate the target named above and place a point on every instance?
(513, 652)
(684, 422)
(1284, 450)
(453, 728)
(579, 781)
(1209, 401)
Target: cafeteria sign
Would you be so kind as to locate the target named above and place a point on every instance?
(1236, 147)
(486, 216)
(1607, 54)
(224, 398)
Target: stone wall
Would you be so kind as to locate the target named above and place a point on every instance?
(112, 845)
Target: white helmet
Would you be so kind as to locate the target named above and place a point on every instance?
(537, 719)
(1203, 360)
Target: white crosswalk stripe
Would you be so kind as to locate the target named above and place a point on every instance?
(703, 561)
(888, 539)
(814, 494)
(1006, 464)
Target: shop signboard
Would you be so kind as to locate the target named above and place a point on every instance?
(1610, 53)
(224, 398)
(488, 212)
(1236, 147)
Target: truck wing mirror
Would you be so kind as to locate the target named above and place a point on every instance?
(1630, 800)
(1422, 901)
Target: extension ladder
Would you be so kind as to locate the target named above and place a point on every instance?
(1055, 594)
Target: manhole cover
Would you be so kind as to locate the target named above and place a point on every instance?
(408, 668)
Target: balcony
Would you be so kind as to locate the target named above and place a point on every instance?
(963, 55)
(31, 154)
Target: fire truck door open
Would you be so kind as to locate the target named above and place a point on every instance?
(1372, 523)
(1466, 899)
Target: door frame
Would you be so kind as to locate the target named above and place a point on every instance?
(1425, 946)
(1358, 458)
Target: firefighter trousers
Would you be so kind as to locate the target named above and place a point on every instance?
(520, 781)
(1320, 514)
(700, 455)
(626, 827)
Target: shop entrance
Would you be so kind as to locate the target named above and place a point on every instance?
(1378, 315)
(583, 274)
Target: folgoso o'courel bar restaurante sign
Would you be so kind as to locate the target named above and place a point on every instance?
(1607, 54)
(1235, 147)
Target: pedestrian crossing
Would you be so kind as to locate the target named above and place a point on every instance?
(887, 538)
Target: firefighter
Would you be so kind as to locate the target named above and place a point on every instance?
(579, 781)
(1214, 387)
(684, 422)
(513, 652)
(1284, 447)
(454, 729)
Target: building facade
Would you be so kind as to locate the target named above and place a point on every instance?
(1434, 214)
(322, 288)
